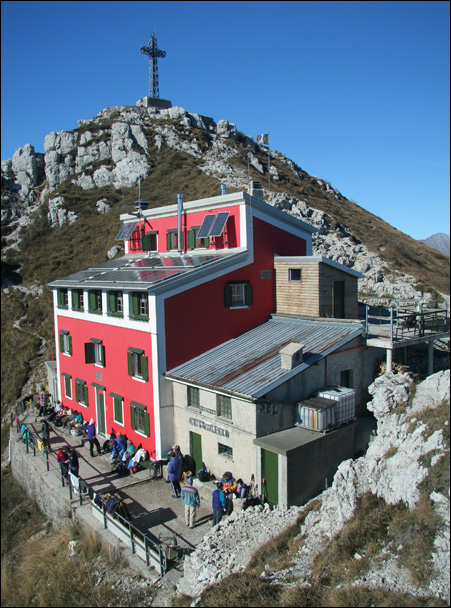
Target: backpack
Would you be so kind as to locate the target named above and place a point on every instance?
(203, 475)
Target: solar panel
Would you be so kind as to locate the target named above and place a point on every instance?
(126, 231)
(219, 223)
(206, 226)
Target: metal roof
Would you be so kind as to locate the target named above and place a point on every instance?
(250, 365)
(149, 273)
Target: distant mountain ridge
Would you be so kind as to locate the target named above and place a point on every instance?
(439, 241)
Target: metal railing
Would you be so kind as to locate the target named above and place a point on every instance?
(399, 322)
(153, 553)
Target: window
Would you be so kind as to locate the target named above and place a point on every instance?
(78, 300)
(194, 242)
(139, 418)
(238, 294)
(225, 450)
(67, 385)
(63, 298)
(137, 364)
(95, 352)
(116, 303)
(118, 408)
(172, 239)
(193, 397)
(224, 406)
(95, 301)
(295, 274)
(139, 309)
(65, 342)
(81, 391)
(149, 241)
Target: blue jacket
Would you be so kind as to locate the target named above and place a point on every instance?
(190, 496)
(120, 445)
(90, 431)
(219, 500)
(174, 468)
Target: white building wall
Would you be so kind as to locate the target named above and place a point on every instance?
(237, 433)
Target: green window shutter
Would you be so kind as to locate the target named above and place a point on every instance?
(130, 363)
(112, 298)
(132, 417)
(227, 296)
(75, 299)
(118, 410)
(89, 352)
(86, 394)
(61, 343)
(92, 300)
(67, 383)
(102, 355)
(205, 242)
(146, 424)
(168, 241)
(70, 345)
(135, 305)
(146, 242)
(191, 240)
(145, 368)
(249, 295)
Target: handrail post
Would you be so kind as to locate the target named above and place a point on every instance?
(132, 542)
(391, 324)
(146, 549)
(366, 318)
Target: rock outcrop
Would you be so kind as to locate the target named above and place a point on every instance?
(392, 468)
(115, 147)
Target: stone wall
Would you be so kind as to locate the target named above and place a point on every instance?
(43, 486)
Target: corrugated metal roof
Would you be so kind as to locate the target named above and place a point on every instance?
(250, 364)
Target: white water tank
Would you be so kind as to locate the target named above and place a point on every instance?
(345, 402)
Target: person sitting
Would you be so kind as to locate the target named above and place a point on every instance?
(62, 458)
(133, 462)
(229, 484)
(130, 451)
(66, 418)
(118, 447)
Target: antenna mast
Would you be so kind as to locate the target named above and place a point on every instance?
(154, 52)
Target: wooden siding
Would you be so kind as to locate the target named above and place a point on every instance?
(312, 295)
(328, 274)
(297, 297)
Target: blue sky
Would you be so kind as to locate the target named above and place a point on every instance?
(356, 93)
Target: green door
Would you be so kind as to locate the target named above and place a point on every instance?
(100, 412)
(270, 472)
(196, 449)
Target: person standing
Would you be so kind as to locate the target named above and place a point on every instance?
(45, 434)
(174, 470)
(191, 500)
(90, 432)
(73, 462)
(219, 503)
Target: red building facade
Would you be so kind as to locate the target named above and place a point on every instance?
(175, 294)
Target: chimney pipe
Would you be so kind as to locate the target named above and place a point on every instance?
(179, 222)
(223, 189)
